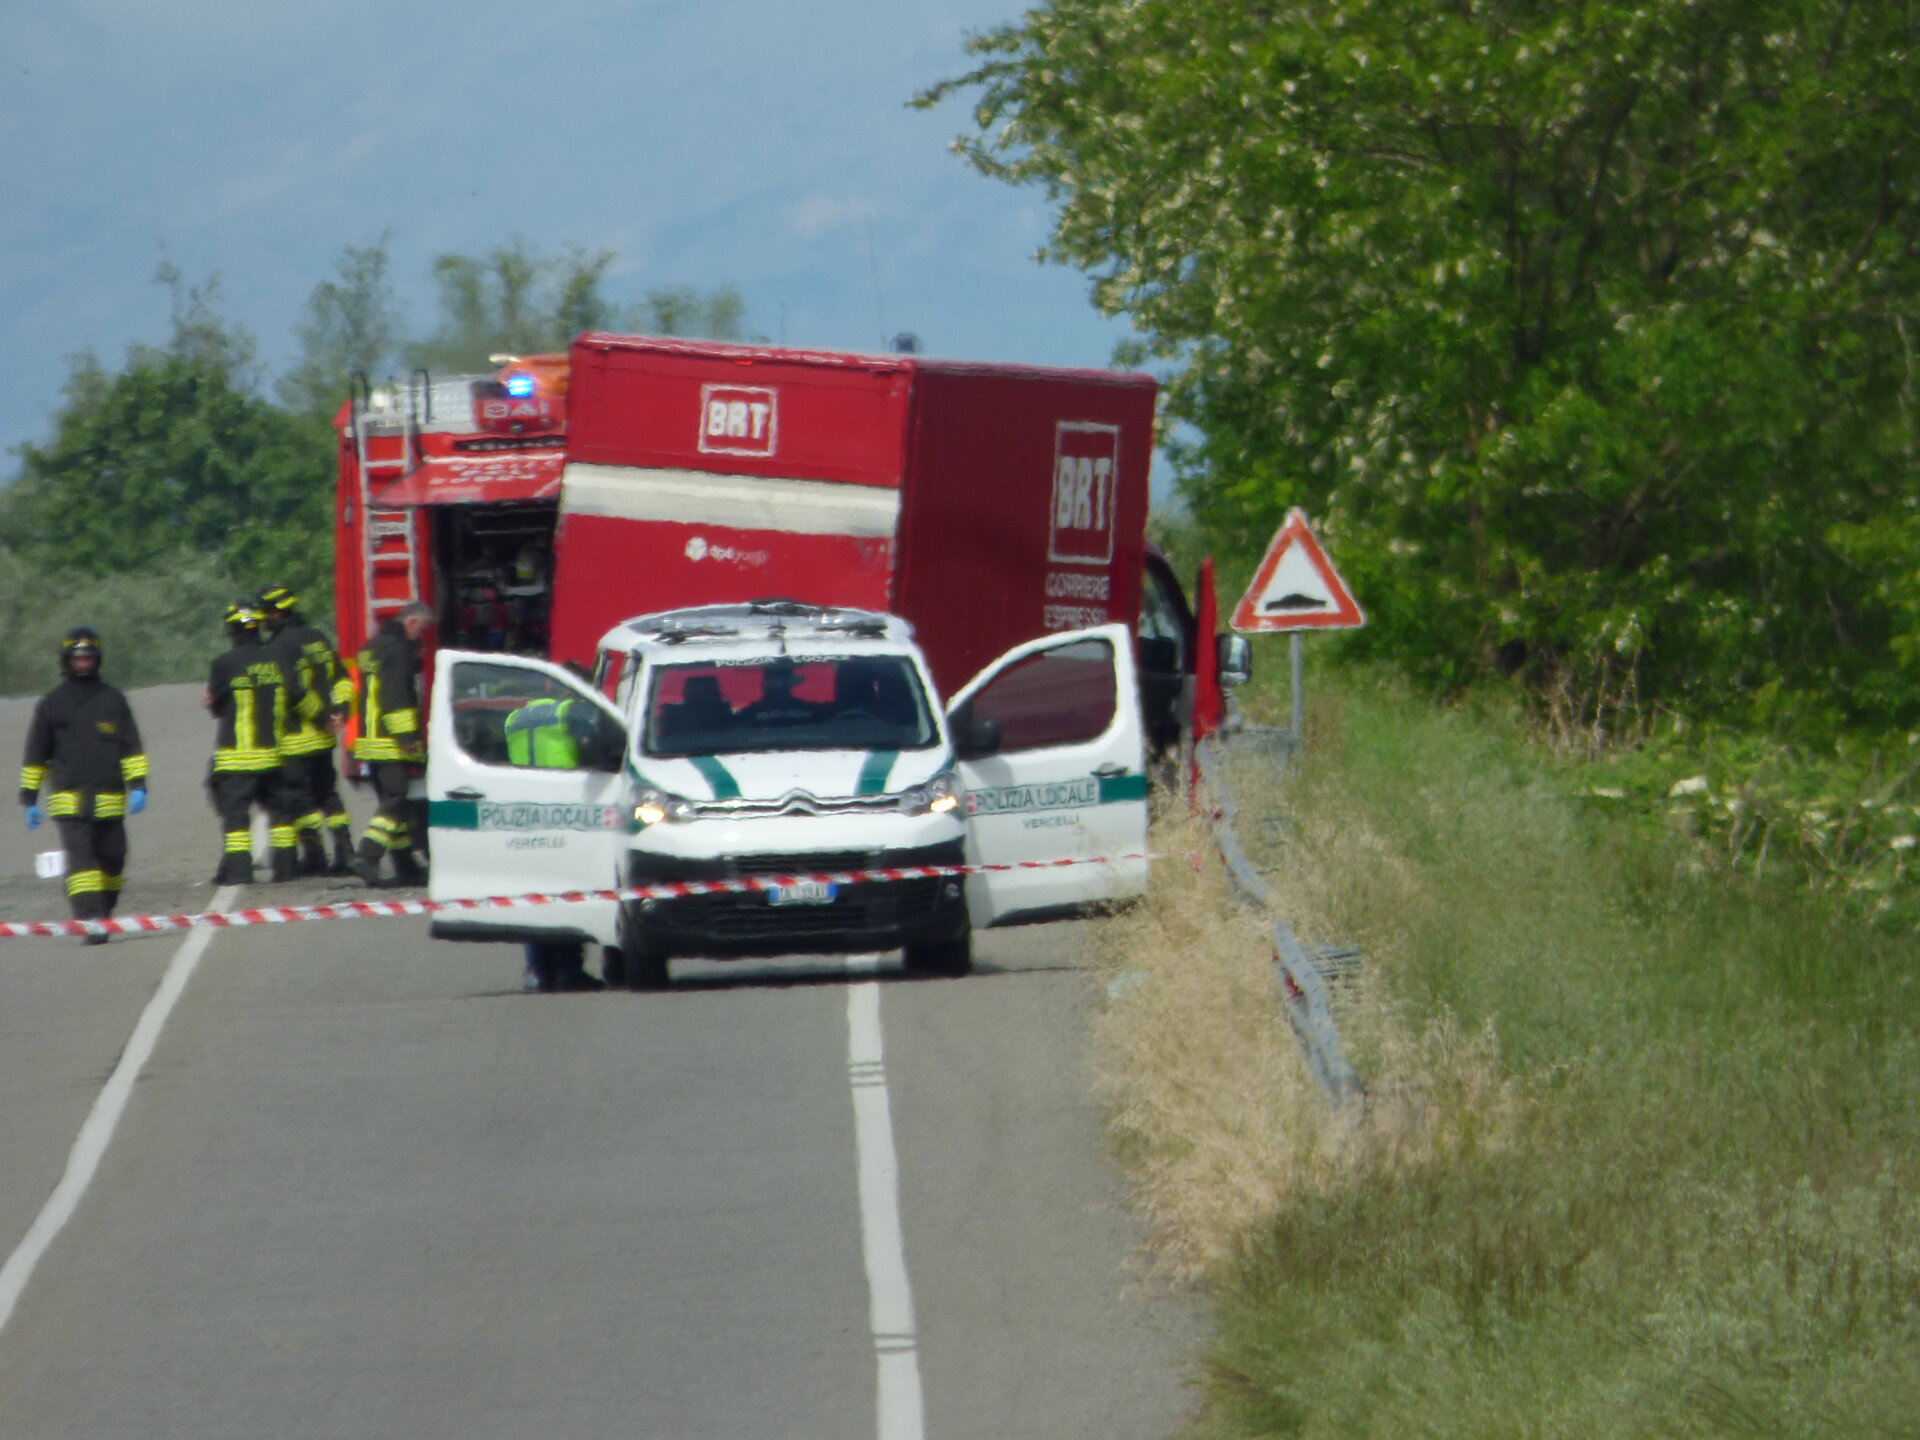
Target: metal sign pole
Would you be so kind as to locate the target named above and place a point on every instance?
(1299, 740)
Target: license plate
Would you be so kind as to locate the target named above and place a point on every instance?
(802, 892)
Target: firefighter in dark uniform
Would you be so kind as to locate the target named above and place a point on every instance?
(306, 750)
(389, 741)
(83, 740)
(252, 697)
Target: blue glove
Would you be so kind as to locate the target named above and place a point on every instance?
(136, 801)
(34, 817)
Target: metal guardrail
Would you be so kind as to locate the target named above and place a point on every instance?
(1303, 991)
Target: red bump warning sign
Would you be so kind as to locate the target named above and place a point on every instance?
(1296, 587)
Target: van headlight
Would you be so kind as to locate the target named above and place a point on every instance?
(938, 796)
(651, 807)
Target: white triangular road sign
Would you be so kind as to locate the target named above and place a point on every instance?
(1296, 587)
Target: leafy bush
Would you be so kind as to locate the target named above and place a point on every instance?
(1842, 823)
(157, 625)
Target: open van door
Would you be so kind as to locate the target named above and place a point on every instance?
(501, 828)
(1049, 745)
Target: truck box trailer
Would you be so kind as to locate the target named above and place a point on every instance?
(538, 506)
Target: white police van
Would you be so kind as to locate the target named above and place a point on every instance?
(780, 739)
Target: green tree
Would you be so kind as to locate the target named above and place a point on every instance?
(720, 314)
(176, 455)
(1579, 327)
(512, 301)
(351, 324)
(516, 301)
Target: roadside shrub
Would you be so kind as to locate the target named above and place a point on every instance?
(158, 625)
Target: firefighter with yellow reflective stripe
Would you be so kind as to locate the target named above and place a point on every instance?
(306, 750)
(83, 741)
(253, 699)
(387, 708)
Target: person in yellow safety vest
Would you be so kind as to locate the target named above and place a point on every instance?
(253, 699)
(82, 741)
(387, 708)
(547, 734)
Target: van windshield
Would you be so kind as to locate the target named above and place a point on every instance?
(855, 702)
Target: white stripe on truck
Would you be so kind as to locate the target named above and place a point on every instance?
(740, 502)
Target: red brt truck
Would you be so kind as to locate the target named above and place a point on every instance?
(538, 506)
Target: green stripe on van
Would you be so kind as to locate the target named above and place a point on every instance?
(725, 787)
(453, 814)
(873, 774)
(1122, 787)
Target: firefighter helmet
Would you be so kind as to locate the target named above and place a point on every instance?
(81, 641)
(242, 615)
(278, 599)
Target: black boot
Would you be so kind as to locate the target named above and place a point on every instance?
(284, 862)
(313, 855)
(235, 869)
(93, 907)
(342, 852)
(407, 870)
(366, 863)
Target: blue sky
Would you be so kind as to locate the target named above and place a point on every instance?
(728, 142)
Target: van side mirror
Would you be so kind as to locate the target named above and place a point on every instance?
(1233, 659)
(975, 736)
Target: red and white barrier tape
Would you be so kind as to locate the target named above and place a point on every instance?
(666, 890)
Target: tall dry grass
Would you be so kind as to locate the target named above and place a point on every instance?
(1213, 1109)
(1216, 1117)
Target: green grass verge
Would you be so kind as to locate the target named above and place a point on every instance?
(1693, 1208)
(156, 626)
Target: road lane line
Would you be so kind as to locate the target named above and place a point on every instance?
(882, 1244)
(97, 1132)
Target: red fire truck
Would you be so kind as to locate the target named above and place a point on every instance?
(535, 507)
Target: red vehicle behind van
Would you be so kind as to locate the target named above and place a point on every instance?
(538, 506)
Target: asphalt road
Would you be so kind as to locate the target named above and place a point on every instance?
(365, 1187)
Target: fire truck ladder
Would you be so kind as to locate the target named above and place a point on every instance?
(390, 561)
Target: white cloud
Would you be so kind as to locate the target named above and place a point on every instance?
(817, 214)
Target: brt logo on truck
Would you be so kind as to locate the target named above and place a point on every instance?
(738, 420)
(1086, 477)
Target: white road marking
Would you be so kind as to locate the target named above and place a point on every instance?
(881, 1242)
(97, 1133)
